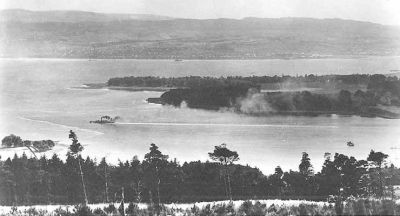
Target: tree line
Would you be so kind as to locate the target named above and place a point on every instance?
(229, 92)
(157, 179)
(363, 103)
(13, 141)
(199, 81)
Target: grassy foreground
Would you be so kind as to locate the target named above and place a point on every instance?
(251, 207)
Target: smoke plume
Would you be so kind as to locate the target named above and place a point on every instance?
(254, 103)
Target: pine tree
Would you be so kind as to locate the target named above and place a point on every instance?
(75, 150)
(378, 159)
(154, 158)
(305, 166)
(226, 157)
(104, 169)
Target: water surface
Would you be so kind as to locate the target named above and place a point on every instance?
(38, 101)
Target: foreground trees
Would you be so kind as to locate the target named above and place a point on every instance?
(157, 179)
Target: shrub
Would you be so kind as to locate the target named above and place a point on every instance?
(62, 212)
(359, 207)
(195, 210)
(370, 207)
(33, 212)
(12, 141)
(272, 209)
(99, 212)
(110, 209)
(247, 208)
(132, 209)
(83, 210)
(223, 209)
(303, 209)
(205, 211)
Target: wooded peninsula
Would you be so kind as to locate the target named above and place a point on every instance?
(358, 94)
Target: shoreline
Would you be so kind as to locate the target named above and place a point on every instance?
(122, 88)
(373, 112)
(204, 59)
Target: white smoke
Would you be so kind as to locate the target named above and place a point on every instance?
(183, 105)
(254, 103)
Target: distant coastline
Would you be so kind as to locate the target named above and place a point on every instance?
(200, 59)
(123, 88)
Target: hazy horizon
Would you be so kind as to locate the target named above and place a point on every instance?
(375, 11)
(172, 17)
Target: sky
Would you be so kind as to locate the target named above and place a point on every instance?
(378, 11)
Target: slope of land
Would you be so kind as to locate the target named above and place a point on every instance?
(69, 16)
(73, 34)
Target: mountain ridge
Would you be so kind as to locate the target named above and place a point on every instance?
(22, 15)
(121, 36)
(148, 17)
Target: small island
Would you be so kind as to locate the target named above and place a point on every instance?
(14, 141)
(309, 95)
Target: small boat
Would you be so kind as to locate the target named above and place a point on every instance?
(105, 120)
(350, 144)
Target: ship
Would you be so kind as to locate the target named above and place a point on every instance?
(105, 120)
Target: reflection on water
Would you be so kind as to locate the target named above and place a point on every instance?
(37, 102)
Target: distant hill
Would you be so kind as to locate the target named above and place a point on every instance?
(76, 34)
(18, 15)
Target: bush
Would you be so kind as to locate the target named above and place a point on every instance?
(247, 208)
(43, 145)
(223, 209)
(132, 209)
(33, 212)
(99, 212)
(12, 141)
(206, 210)
(110, 209)
(370, 207)
(83, 210)
(62, 212)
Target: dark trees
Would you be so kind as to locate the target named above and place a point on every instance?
(305, 166)
(154, 161)
(12, 141)
(26, 180)
(377, 160)
(343, 174)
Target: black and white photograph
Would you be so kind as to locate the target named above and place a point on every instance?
(199, 107)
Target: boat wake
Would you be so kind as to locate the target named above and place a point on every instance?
(223, 125)
(63, 126)
(83, 88)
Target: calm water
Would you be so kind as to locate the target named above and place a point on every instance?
(38, 101)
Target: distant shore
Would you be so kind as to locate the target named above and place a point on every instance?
(85, 58)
